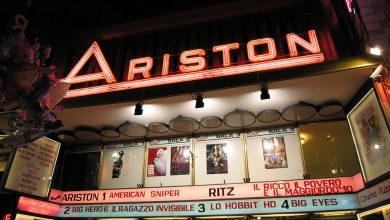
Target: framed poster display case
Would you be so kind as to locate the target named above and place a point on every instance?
(32, 168)
(382, 89)
(371, 135)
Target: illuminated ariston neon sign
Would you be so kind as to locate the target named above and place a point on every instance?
(193, 65)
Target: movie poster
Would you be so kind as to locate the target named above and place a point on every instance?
(157, 161)
(217, 162)
(274, 152)
(368, 126)
(117, 163)
(371, 136)
(180, 160)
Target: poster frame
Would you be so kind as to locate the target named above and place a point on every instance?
(384, 101)
(8, 169)
(355, 133)
(169, 179)
(128, 145)
(293, 153)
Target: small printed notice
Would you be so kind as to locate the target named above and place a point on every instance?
(33, 166)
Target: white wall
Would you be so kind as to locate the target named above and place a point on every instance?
(257, 169)
(134, 160)
(169, 179)
(132, 170)
(233, 143)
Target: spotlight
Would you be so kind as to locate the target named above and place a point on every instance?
(264, 92)
(199, 101)
(374, 50)
(138, 109)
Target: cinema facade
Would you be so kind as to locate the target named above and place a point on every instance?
(273, 111)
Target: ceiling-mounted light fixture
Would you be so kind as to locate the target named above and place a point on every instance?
(199, 101)
(138, 108)
(264, 92)
(375, 51)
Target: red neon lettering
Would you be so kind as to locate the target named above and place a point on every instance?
(165, 67)
(193, 65)
(107, 75)
(293, 40)
(258, 58)
(7, 216)
(193, 57)
(199, 75)
(225, 52)
(37, 206)
(134, 67)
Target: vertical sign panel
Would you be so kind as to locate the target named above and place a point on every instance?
(274, 154)
(371, 137)
(122, 165)
(219, 159)
(169, 162)
(33, 166)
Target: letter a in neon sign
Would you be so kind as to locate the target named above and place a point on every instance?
(106, 73)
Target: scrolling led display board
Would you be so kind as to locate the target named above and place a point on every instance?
(193, 65)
